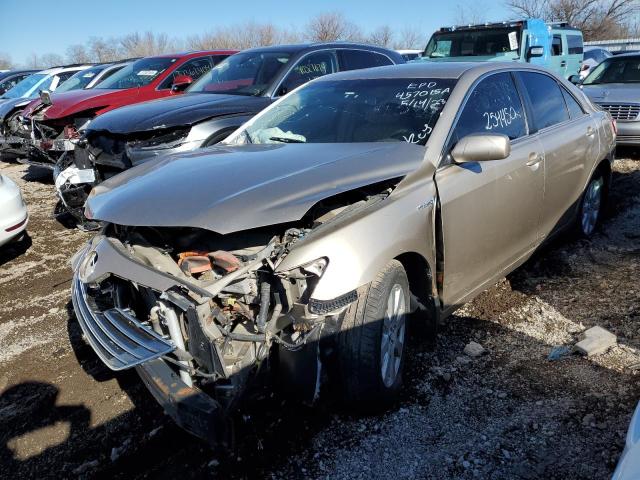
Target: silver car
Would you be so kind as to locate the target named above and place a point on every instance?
(309, 238)
(614, 85)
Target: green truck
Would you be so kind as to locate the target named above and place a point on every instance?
(556, 46)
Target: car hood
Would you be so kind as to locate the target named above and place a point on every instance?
(232, 188)
(75, 101)
(180, 110)
(613, 92)
(8, 106)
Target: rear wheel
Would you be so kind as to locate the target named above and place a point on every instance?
(591, 206)
(373, 338)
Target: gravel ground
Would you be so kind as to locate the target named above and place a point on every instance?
(510, 413)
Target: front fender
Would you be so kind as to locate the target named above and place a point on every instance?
(359, 246)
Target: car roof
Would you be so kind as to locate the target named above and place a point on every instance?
(194, 53)
(430, 70)
(627, 55)
(300, 47)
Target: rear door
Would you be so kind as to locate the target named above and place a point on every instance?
(570, 143)
(490, 211)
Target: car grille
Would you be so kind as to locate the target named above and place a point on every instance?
(622, 112)
(118, 338)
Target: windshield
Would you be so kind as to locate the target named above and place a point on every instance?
(353, 111)
(138, 74)
(489, 42)
(248, 73)
(80, 79)
(23, 88)
(615, 70)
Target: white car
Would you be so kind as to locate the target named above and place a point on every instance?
(629, 464)
(13, 211)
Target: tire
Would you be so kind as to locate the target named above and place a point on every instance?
(367, 333)
(591, 204)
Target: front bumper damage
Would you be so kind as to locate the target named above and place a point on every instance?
(198, 346)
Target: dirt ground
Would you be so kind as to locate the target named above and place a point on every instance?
(509, 414)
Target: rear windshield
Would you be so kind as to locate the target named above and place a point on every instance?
(138, 74)
(80, 79)
(614, 70)
(475, 43)
(21, 89)
(352, 111)
(248, 73)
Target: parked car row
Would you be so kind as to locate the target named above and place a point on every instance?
(283, 219)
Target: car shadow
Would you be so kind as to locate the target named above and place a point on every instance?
(15, 248)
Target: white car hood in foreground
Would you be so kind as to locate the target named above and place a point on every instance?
(629, 464)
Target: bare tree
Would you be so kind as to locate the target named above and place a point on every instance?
(48, 60)
(78, 54)
(33, 61)
(410, 37)
(144, 45)
(5, 61)
(246, 35)
(598, 19)
(469, 14)
(383, 36)
(332, 26)
(104, 50)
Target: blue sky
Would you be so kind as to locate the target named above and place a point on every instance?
(38, 26)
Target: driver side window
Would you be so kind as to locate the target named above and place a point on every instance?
(312, 66)
(494, 106)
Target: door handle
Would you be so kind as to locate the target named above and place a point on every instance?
(563, 63)
(534, 159)
(590, 131)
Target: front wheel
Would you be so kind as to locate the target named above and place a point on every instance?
(591, 206)
(372, 340)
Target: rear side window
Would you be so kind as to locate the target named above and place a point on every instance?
(494, 106)
(357, 59)
(575, 110)
(547, 102)
(556, 45)
(574, 43)
(194, 68)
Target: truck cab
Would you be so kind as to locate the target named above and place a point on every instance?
(556, 46)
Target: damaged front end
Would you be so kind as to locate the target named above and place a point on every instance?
(99, 156)
(203, 316)
(52, 140)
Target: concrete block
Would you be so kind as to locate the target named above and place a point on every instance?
(595, 341)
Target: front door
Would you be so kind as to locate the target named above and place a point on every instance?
(490, 211)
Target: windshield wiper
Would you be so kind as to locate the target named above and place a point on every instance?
(286, 140)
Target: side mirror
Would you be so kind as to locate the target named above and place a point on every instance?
(535, 52)
(180, 83)
(481, 148)
(575, 79)
(45, 97)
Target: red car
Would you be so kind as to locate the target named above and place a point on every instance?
(57, 119)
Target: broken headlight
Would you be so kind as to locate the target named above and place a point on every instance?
(172, 139)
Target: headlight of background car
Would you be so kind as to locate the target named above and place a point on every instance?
(167, 140)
